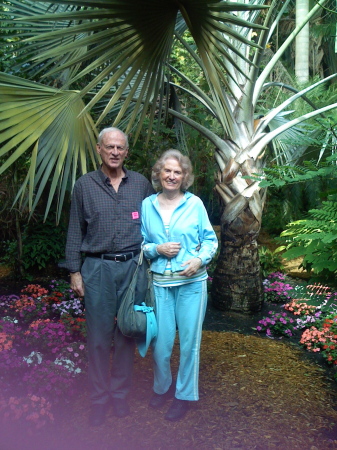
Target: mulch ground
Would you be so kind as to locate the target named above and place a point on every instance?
(255, 393)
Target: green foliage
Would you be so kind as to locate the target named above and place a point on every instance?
(142, 157)
(8, 252)
(278, 211)
(270, 261)
(182, 60)
(315, 239)
(284, 175)
(43, 245)
(291, 202)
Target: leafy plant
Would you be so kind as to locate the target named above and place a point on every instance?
(315, 239)
(43, 243)
(270, 261)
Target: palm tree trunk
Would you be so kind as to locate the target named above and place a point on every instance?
(237, 282)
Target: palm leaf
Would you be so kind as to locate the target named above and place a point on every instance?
(142, 33)
(44, 122)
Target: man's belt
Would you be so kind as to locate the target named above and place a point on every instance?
(114, 256)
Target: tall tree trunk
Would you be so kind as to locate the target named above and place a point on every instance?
(237, 281)
(302, 43)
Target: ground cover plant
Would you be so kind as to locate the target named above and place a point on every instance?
(42, 352)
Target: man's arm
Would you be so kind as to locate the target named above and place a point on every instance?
(76, 232)
(75, 235)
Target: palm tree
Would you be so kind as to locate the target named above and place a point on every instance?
(117, 54)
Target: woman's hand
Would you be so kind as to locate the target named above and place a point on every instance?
(192, 266)
(169, 249)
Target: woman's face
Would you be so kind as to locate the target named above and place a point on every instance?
(171, 175)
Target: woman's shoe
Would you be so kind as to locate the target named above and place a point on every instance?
(158, 400)
(177, 410)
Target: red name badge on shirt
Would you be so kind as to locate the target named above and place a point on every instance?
(135, 215)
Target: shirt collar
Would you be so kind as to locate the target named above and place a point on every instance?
(104, 178)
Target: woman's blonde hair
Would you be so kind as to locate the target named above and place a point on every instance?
(184, 162)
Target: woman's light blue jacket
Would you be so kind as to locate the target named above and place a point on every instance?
(189, 223)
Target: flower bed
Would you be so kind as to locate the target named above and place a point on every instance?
(42, 352)
(310, 312)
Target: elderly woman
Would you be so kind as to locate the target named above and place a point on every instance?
(179, 240)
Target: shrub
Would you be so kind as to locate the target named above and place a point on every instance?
(270, 261)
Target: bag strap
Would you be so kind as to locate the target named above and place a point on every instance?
(140, 260)
(141, 256)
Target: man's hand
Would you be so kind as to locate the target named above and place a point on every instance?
(169, 249)
(76, 283)
(192, 266)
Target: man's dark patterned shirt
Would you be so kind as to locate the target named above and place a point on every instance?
(103, 221)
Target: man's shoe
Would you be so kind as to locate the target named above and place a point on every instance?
(97, 414)
(177, 410)
(158, 400)
(120, 407)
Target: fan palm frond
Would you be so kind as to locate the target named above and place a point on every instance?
(44, 123)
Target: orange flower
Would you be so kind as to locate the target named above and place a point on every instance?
(6, 342)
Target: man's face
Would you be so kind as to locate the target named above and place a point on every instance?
(113, 150)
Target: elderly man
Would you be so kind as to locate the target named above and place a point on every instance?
(105, 226)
